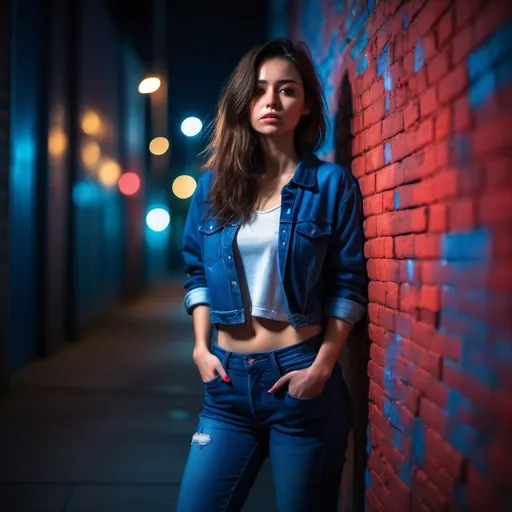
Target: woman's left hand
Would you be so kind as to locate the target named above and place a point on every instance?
(302, 383)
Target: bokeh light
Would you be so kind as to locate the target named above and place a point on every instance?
(57, 142)
(158, 219)
(91, 154)
(129, 184)
(184, 186)
(91, 123)
(109, 173)
(191, 126)
(159, 145)
(149, 85)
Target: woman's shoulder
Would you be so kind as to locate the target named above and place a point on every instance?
(331, 174)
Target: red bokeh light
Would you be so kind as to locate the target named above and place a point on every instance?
(129, 183)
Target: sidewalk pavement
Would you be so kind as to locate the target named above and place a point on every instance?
(105, 424)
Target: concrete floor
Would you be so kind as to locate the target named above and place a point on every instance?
(105, 424)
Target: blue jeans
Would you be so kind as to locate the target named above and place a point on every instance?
(241, 424)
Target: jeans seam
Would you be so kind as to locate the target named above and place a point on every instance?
(240, 476)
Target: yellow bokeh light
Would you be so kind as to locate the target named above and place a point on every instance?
(57, 142)
(91, 154)
(159, 145)
(109, 173)
(184, 186)
(149, 85)
(91, 123)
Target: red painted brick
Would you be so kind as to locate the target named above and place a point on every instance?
(491, 17)
(383, 270)
(400, 491)
(433, 416)
(463, 43)
(453, 84)
(392, 295)
(359, 166)
(376, 391)
(445, 27)
(418, 82)
(497, 173)
(437, 219)
(375, 159)
(439, 477)
(388, 201)
(430, 387)
(428, 16)
(357, 123)
(495, 208)
(411, 113)
(379, 248)
(493, 136)
(465, 10)
(445, 184)
(367, 185)
(443, 123)
(428, 102)
(370, 227)
(427, 245)
(482, 494)
(428, 317)
(372, 205)
(374, 113)
(438, 67)
(392, 125)
(462, 119)
(376, 373)
(379, 335)
(429, 297)
(462, 215)
(377, 292)
(401, 146)
(404, 246)
(408, 297)
(428, 491)
(425, 133)
(444, 453)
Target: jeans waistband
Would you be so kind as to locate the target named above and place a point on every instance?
(271, 359)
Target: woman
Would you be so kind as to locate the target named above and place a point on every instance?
(273, 247)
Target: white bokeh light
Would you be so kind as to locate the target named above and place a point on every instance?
(191, 126)
(158, 219)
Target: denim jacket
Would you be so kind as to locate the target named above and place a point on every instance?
(321, 262)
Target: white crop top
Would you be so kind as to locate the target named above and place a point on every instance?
(256, 245)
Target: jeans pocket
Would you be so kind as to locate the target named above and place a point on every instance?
(213, 381)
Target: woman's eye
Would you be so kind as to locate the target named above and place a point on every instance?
(259, 90)
(287, 91)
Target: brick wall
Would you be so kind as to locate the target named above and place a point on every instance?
(420, 95)
(5, 21)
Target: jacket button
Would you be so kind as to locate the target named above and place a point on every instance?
(229, 257)
(233, 283)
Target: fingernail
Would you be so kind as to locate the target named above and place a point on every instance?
(227, 379)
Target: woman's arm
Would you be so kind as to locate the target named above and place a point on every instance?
(202, 328)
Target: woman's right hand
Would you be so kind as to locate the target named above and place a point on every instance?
(209, 366)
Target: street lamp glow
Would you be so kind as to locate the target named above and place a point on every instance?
(158, 219)
(191, 126)
(149, 85)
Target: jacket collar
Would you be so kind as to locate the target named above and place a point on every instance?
(305, 174)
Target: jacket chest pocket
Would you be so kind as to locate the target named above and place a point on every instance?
(311, 244)
(211, 235)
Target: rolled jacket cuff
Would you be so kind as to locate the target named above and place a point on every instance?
(344, 309)
(195, 297)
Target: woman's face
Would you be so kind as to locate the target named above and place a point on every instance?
(278, 102)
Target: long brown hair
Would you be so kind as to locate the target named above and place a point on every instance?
(235, 155)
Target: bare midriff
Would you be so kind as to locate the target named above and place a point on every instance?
(262, 335)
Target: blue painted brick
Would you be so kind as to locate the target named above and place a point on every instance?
(362, 64)
(419, 55)
(396, 200)
(387, 153)
(359, 45)
(476, 245)
(383, 60)
(386, 104)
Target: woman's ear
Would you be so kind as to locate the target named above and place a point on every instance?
(306, 110)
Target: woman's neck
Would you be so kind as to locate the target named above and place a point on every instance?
(279, 155)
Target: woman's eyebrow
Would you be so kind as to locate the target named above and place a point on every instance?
(280, 82)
